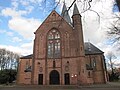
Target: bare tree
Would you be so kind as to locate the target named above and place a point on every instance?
(8, 59)
(113, 74)
(2, 59)
(114, 30)
(110, 61)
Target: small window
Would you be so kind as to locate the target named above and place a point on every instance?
(81, 48)
(67, 63)
(94, 64)
(53, 14)
(27, 64)
(89, 74)
(54, 64)
(28, 68)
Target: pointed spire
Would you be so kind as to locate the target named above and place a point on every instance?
(75, 10)
(65, 14)
(64, 9)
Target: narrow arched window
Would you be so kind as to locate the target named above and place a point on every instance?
(53, 44)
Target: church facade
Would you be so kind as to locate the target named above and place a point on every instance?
(60, 55)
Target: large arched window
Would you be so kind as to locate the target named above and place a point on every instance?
(53, 44)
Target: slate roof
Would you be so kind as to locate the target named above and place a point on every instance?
(65, 14)
(27, 57)
(90, 49)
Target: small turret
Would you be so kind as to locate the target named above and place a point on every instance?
(77, 24)
(76, 16)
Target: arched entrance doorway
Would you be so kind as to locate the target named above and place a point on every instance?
(54, 77)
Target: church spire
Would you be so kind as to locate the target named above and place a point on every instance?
(65, 14)
(75, 10)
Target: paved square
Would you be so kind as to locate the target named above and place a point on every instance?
(108, 86)
(37, 88)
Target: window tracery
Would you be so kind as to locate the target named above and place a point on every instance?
(53, 44)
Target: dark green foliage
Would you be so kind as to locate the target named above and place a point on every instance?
(114, 76)
(7, 76)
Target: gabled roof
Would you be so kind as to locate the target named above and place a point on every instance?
(49, 19)
(27, 57)
(91, 49)
(65, 14)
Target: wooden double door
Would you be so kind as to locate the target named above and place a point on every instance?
(54, 78)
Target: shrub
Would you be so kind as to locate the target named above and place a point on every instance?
(7, 75)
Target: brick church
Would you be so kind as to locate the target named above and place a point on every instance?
(60, 55)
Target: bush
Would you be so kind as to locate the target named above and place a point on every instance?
(7, 75)
(114, 77)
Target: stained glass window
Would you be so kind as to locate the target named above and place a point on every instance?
(53, 44)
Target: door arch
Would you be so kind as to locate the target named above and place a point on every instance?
(54, 77)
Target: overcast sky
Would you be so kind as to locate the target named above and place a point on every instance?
(19, 19)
